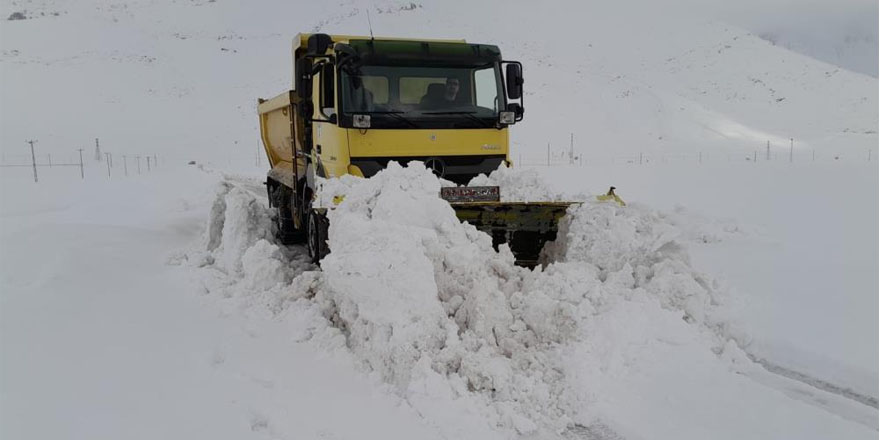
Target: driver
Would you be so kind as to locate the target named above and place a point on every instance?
(440, 95)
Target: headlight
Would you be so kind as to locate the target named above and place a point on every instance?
(507, 117)
(361, 121)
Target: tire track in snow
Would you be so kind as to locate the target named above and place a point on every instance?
(838, 400)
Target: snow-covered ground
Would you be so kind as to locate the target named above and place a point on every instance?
(162, 307)
(101, 338)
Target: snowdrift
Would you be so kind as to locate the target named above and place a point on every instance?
(426, 304)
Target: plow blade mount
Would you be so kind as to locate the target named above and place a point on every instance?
(525, 227)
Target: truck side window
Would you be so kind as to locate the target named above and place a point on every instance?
(378, 86)
(486, 88)
(361, 93)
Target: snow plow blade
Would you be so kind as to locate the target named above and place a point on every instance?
(524, 226)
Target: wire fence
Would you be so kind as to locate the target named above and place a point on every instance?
(569, 158)
(104, 164)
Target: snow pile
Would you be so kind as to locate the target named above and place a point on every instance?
(422, 296)
(424, 302)
(641, 249)
(412, 287)
(239, 247)
(518, 185)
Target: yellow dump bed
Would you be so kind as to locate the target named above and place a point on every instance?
(279, 125)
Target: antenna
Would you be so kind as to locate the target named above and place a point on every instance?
(370, 23)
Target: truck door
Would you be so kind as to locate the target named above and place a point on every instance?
(331, 143)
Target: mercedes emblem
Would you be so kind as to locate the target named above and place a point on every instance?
(436, 165)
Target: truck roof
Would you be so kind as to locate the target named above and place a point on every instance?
(300, 43)
(301, 39)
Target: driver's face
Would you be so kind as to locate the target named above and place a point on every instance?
(452, 86)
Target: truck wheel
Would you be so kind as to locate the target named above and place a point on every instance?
(284, 224)
(317, 237)
(287, 233)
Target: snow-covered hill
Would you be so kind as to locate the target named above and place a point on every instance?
(182, 78)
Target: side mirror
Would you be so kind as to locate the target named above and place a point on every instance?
(327, 86)
(514, 81)
(304, 78)
(517, 110)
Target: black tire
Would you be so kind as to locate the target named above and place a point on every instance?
(286, 230)
(316, 230)
(285, 226)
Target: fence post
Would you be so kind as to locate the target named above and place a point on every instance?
(139, 163)
(148, 164)
(33, 160)
(107, 157)
(82, 172)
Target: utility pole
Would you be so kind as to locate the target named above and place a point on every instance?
(82, 172)
(571, 151)
(548, 154)
(110, 158)
(33, 160)
(756, 156)
(108, 163)
(148, 164)
(640, 158)
(139, 163)
(791, 152)
(125, 164)
(49, 156)
(97, 150)
(155, 161)
(768, 151)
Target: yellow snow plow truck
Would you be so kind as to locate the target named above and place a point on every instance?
(358, 103)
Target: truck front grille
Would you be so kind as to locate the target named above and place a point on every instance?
(458, 169)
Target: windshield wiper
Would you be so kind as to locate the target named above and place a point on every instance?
(468, 114)
(397, 114)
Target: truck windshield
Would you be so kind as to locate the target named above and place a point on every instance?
(414, 95)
